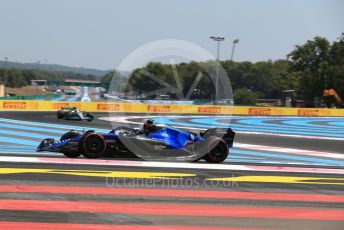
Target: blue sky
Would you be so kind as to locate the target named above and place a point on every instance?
(101, 33)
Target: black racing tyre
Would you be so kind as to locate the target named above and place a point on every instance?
(67, 152)
(93, 145)
(89, 116)
(59, 115)
(72, 116)
(70, 134)
(218, 151)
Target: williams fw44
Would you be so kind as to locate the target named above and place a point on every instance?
(152, 142)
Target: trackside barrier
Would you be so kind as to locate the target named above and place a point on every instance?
(26, 105)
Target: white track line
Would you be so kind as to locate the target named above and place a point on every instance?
(151, 164)
(45, 154)
(292, 135)
(289, 150)
(229, 160)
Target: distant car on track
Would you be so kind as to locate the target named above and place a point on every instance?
(211, 145)
(72, 113)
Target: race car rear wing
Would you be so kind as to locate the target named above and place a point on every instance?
(227, 134)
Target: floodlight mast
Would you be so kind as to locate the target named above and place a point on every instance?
(236, 41)
(218, 40)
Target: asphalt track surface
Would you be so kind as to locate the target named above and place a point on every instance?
(273, 181)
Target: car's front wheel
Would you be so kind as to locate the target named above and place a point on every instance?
(59, 115)
(67, 151)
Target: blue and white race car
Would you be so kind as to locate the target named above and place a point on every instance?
(152, 142)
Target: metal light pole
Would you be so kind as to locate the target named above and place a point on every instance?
(236, 41)
(5, 75)
(218, 40)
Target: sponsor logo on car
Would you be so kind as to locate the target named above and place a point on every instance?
(110, 141)
(192, 137)
(159, 147)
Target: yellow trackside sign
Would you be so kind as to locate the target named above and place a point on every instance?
(120, 107)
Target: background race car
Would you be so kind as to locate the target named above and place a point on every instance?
(72, 113)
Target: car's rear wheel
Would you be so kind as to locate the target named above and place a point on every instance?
(93, 145)
(218, 151)
(59, 115)
(89, 116)
(66, 151)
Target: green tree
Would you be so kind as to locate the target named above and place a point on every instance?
(336, 66)
(311, 62)
(281, 79)
(116, 79)
(244, 96)
(15, 78)
(22, 77)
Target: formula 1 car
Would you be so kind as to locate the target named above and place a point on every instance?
(72, 113)
(152, 142)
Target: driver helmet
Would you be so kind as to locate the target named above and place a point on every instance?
(149, 126)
